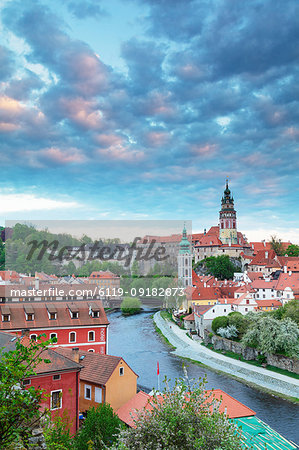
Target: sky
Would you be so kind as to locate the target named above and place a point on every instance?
(140, 109)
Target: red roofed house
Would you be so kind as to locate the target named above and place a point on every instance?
(265, 261)
(59, 379)
(82, 324)
(108, 282)
(189, 322)
(268, 305)
(287, 286)
(103, 378)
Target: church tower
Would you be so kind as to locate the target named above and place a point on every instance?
(228, 219)
(185, 261)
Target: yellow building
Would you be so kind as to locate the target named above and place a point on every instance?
(103, 379)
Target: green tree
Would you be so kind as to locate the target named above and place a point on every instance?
(187, 417)
(100, 429)
(270, 335)
(19, 407)
(220, 266)
(239, 321)
(135, 269)
(2, 255)
(219, 322)
(130, 305)
(292, 250)
(277, 246)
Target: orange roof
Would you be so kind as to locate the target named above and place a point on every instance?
(229, 405)
(286, 280)
(270, 302)
(189, 317)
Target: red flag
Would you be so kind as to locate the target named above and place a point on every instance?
(158, 369)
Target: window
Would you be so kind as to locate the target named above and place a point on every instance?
(121, 371)
(72, 337)
(29, 316)
(33, 337)
(91, 350)
(75, 315)
(91, 336)
(56, 397)
(87, 392)
(26, 382)
(52, 315)
(224, 310)
(246, 309)
(6, 317)
(247, 302)
(98, 395)
(53, 335)
(56, 377)
(95, 314)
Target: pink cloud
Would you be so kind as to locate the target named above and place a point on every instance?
(55, 155)
(82, 112)
(205, 150)
(115, 147)
(157, 138)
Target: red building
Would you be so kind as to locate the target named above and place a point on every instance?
(60, 379)
(81, 324)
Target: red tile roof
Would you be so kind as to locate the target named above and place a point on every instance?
(41, 317)
(97, 368)
(268, 303)
(286, 280)
(229, 405)
(189, 317)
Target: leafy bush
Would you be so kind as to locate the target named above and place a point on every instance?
(239, 321)
(100, 429)
(272, 336)
(130, 305)
(219, 322)
(187, 417)
(57, 434)
(229, 332)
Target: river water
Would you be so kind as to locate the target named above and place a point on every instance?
(134, 338)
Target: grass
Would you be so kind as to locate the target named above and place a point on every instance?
(252, 362)
(166, 315)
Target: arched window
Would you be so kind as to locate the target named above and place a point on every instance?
(72, 336)
(91, 336)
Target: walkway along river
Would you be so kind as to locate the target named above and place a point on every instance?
(134, 338)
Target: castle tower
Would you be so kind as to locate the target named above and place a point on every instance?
(228, 219)
(185, 261)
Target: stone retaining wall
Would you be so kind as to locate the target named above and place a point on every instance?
(248, 353)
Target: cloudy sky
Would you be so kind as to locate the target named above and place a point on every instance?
(139, 109)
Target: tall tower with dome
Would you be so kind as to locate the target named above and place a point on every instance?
(228, 219)
(185, 260)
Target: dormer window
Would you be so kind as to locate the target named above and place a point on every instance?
(74, 311)
(29, 316)
(29, 312)
(75, 315)
(94, 310)
(52, 311)
(5, 311)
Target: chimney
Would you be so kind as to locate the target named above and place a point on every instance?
(225, 281)
(290, 273)
(75, 354)
(264, 242)
(205, 284)
(266, 255)
(204, 231)
(36, 284)
(285, 269)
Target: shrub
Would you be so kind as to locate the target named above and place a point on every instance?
(229, 332)
(130, 305)
(239, 321)
(100, 429)
(219, 322)
(187, 417)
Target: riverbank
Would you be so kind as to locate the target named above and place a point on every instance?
(257, 377)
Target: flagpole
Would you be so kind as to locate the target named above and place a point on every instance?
(158, 375)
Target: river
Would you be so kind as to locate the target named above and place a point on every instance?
(134, 338)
